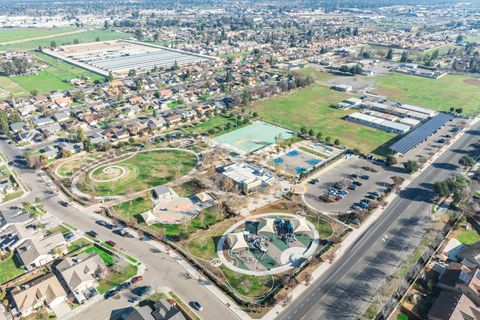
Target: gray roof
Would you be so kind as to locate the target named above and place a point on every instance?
(10, 216)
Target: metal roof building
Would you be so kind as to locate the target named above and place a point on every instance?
(420, 134)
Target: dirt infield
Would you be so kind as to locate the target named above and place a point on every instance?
(473, 82)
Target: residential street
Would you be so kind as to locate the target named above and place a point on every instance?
(161, 272)
(347, 288)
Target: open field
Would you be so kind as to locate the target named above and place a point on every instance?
(310, 107)
(55, 77)
(316, 74)
(443, 50)
(142, 171)
(82, 37)
(16, 34)
(215, 126)
(450, 91)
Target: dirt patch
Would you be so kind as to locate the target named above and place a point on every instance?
(388, 92)
(473, 82)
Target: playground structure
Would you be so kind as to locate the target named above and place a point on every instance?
(268, 244)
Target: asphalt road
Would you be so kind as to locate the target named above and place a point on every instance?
(161, 272)
(347, 288)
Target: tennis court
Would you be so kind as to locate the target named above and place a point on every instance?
(254, 137)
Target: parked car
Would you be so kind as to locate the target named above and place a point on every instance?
(133, 299)
(136, 279)
(69, 236)
(376, 194)
(196, 305)
(353, 187)
(102, 223)
(125, 285)
(110, 294)
(92, 233)
(364, 177)
(357, 183)
(314, 181)
(354, 175)
(141, 291)
(64, 203)
(111, 243)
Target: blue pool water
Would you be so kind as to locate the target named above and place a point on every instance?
(299, 170)
(278, 160)
(293, 153)
(313, 162)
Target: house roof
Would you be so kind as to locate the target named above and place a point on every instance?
(30, 250)
(77, 270)
(164, 310)
(46, 288)
(451, 305)
(10, 216)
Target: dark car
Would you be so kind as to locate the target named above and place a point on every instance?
(141, 291)
(102, 223)
(357, 183)
(68, 236)
(125, 285)
(196, 305)
(111, 243)
(92, 233)
(354, 176)
(365, 177)
(110, 294)
(136, 279)
(64, 203)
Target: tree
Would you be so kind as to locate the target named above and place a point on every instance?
(459, 110)
(4, 129)
(132, 73)
(411, 166)
(53, 44)
(389, 55)
(34, 92)
(110, 76)
(311, 132)
(80, 135)
(404, 57)
(97, 39)
(390, 160)
(75, 41)
(319, 135)
(466, 162)
(337, 142)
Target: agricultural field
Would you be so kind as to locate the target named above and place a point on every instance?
(311, 107)
(141, 171)
(456, 91)
(82, 37)
(18, 34)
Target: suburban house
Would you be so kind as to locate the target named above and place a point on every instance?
(35, 253)
(9, 217)
(45, 291)
(451, 305)
(79, 273)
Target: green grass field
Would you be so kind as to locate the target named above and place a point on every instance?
(450, 91)
(316, 74)
(143, 171)
(82, 37)
(467, 237)
(106, 257)
(249, 286)
(9, 269)
(310, 107)
(115, 278)
(216, 124)
(55, 77)
(16, 34)
(443, 50)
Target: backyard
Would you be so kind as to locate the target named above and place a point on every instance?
(456, 91)
(311, 108)
(9, 269)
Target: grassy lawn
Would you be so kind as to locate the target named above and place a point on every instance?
(217, 124)
(324, 228)
(187, 189)
(134, 207)
(82, 37)
(116, 277)
(77, 244)
(67, 169)
(316, 74)
(467, 237)
(151, 300)
(106, 257)
(58, 229)
(450, 91)
(250, 286)
(15, 34)
(143, 171)
(13, 195)
(9, 269)
(310, 107)
(8, 86)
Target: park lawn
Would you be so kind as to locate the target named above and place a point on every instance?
(456, 91)
(14, 195)
(443, 50)
(82, 37)
(467, 237)
(187, 189)
(311, 107)
(67, 169)
(316, 74)
(134, 207)
(473, 39)
(249, 286)
(106, 257)
(115, 278)
(9, 270)
(145, 170)
(15, 34)
(217, 125)
(325, 229)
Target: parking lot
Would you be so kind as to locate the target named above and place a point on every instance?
(343, 171)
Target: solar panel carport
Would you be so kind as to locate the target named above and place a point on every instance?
(420, 134)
